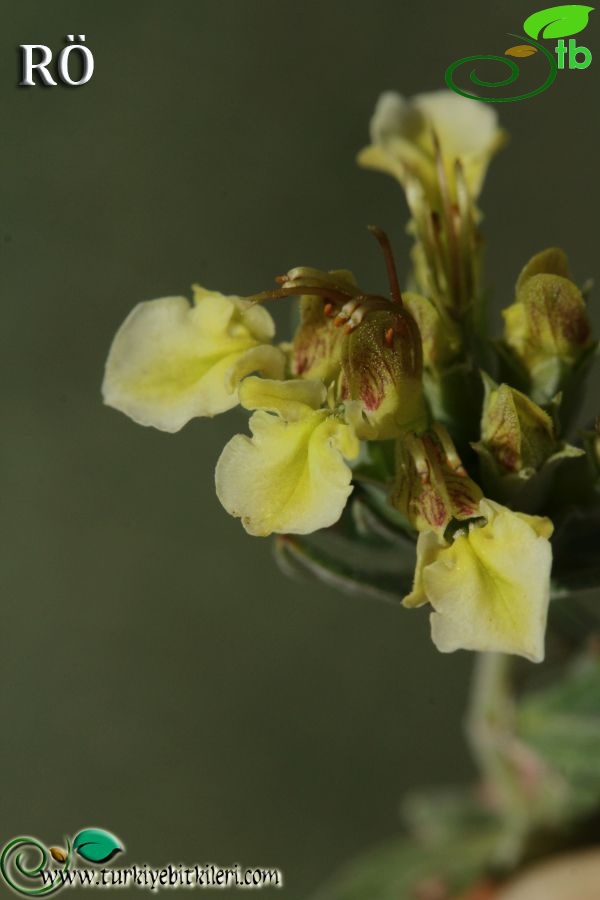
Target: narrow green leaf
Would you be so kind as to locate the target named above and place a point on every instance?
(299, 556)
(377, 500)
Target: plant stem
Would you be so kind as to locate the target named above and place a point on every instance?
(491, 735)
(491, 710)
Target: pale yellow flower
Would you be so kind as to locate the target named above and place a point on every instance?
(291, 475)
(171, 361)
(403, 144)
(490, 587)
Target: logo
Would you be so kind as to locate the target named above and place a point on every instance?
(556, 22)
(92, 844)
(33, 870)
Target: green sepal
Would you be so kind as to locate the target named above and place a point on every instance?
(527, 490)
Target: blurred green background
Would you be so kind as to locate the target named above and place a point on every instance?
(159, 677)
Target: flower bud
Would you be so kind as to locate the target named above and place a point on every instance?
(548, 329)
(433, 487)
(549, 319)
(519, 451)
(381, 372)
(515, 430)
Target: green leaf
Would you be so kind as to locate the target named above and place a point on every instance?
(557, 21)
(96, 845)
(403, 867)
(562, 724)
(434, 815)
(298, 555)
(385, 519)
(367, 552)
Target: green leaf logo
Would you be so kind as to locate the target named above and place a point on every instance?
(96, 845)
(557, 21)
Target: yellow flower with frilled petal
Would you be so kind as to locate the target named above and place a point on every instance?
(489, 587)
(171, 361)
(291, 475)
(403, 143)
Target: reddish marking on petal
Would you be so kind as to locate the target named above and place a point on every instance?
(433, 508)
(370, 397)
(389, 337)
(508, 457)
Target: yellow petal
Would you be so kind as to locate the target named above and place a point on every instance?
(291, 399)
(464, 128)
(490, 588)
(402, 137)
(542, 526)
(429, 544)
(515, 327)
(253, 317)
(397, 157)
(290, 476)
(170, 361)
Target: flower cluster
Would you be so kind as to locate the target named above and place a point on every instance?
(387, 391)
